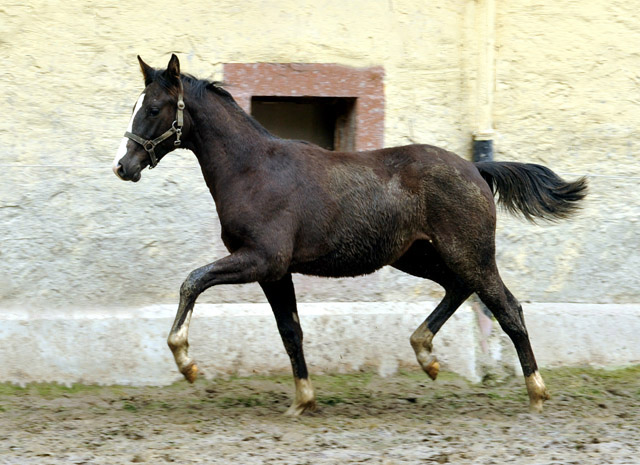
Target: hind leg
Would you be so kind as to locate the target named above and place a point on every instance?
(479, 272)
(422, 337)
(462, 225)
(421, 260)
(509, 314)
(477, 267)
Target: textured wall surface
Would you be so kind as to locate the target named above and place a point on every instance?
(127, 346)
(73, 235)
(568, 96)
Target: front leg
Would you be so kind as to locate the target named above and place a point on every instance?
(282, 298)
(242, 266)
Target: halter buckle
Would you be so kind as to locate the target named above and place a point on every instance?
(178, 130)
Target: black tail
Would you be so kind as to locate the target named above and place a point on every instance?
(532, 190)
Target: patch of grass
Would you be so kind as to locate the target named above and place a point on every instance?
(50, 391)
(591, 381)
(129, 407)
(621, 374)
(8, 389)
(346, 380)
(46, 390)
(278, 379)
(587, 384)
(330, 400)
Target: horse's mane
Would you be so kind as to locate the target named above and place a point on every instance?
(199, 87)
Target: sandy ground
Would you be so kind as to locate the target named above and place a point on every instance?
(593, 418)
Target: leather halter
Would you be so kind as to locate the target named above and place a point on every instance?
(176, 128)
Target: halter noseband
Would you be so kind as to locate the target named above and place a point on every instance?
(176, 128)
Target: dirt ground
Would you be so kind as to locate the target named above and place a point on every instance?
(593, 418)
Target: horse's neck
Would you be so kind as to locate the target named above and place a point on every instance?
(226, 142)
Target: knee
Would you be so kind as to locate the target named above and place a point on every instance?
(190, 285)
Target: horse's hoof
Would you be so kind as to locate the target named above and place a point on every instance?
(432, 369)
(298, 409)
(535, 405)
(538, 392)
(190, 372)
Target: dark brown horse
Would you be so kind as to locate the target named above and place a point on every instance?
(291, 207)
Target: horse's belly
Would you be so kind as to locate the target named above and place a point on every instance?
(354, 256)
(337, 267)
(370, 223)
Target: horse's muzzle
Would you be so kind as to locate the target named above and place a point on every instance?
(116, 167)
(119, 171)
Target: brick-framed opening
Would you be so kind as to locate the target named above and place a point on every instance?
(364, 85)
(325, 121)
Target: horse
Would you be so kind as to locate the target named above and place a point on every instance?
(288, 206)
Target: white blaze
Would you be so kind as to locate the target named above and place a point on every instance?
(122, 150)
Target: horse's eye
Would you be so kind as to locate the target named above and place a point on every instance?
(154, 111)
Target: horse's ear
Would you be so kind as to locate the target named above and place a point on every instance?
(173, 69)
(147, 71)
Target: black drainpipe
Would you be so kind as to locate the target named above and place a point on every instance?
(483, 151)
(482, 147)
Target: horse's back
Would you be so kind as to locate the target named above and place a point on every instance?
(423, 181)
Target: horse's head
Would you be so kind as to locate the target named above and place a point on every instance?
(157, 123)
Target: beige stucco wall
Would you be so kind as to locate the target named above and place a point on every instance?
(566, 95)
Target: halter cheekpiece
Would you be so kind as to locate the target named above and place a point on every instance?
(176, 128)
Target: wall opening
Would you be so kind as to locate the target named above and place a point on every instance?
(326, 121)
(331, 105)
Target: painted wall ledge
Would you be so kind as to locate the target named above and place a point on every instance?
(127, 346)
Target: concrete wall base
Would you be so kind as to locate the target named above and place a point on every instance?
(127, 346)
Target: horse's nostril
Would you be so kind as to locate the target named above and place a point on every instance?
(117, 169)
